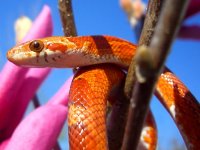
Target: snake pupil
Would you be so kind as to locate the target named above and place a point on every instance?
(36, 46)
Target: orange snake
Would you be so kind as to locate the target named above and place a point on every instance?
(94, 82)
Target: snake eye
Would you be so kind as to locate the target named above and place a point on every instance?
(36, 46)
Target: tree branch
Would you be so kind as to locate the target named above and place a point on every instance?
(116, 119)
(66, 14)
(148, 64)
(151, 19)
(150, 22)
(36, 102)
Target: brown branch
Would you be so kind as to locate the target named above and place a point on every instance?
(148, 65)
(116, 119)
(57, 146)
(166, 30)
(151, 19)
(36, 102)
(66, 14)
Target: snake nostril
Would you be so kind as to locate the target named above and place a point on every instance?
(9, 54)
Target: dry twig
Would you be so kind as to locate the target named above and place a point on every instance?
(66, 14)
(116, 120)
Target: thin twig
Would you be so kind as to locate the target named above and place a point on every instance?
(148, 65)
(150, 22)
(116, 119)
(168, 25)
(57, 146)
(66, 14)
(36, 102)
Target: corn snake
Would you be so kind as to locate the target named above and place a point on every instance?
(94, 82)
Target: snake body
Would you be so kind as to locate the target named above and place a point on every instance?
(100, 59)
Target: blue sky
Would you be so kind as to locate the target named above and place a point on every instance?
(105, 17)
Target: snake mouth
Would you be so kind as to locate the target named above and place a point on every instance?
(11, 56)
(16, 60)
(19, 57)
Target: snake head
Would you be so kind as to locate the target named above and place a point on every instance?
(67, 52)
(46, 52)
(23, 54)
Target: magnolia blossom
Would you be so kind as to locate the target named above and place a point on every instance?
(41, 128)
(135, 10)
(191, 31)
(193, 8)
(22, 26)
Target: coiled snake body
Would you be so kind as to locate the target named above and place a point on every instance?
(93, 84)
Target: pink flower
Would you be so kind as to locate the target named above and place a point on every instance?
(189, 32)
(193, 8)
(40, 129)
(18, 85)
(13, 78)
(32, 80)
(193, 31)
(135, 11)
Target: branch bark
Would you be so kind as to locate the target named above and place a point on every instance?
(150, 22)
(67, 18)
(148, 63)
(36, 102)
(116, 119)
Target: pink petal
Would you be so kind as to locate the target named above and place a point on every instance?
(42, 26)
(61, 97)
(32, 81)
(4, 144)
(11, 80)
(189, 32)
(40, 129)
(193, 8)
(12, 76)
